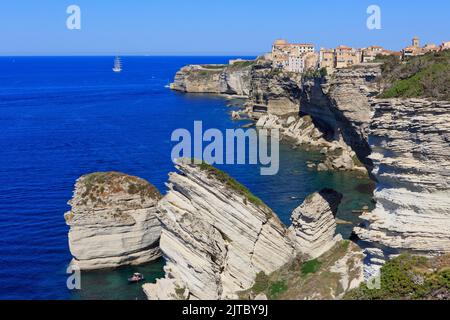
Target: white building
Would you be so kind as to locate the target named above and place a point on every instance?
(296, 63)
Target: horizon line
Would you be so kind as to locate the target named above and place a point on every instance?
(109, 54)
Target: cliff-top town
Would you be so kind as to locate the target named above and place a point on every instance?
(301, 57)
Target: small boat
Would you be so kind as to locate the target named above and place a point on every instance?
(117, 65)
(136, 277)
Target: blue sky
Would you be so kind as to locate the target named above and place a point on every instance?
(212, 27)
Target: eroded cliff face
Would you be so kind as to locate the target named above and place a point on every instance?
(410, 140)
(113, 221)
(215, 79)
(303, 132)
(276, 90)
(403, 143)
(215, 238)
(339, 105)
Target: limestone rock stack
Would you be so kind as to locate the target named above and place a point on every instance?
(410, 141)
(113, 221)
(216, 237)
(314, 224)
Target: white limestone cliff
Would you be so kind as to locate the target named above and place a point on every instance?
(314, 224)
(410, 140)
(113, 221)
(216, 237)
(215, 79)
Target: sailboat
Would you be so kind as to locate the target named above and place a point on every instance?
(117, 65)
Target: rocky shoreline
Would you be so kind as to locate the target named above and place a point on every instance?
(213, 233)
(402, 143)
(338, 105)
(221, 242)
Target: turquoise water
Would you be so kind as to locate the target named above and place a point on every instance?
(62, 117)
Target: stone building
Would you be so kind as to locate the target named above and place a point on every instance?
(416, 50)
(296, 63)
(290, 56)
(326, 59)
(369, 54)
(346, 57)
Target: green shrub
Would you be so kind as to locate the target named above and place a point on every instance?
(405, 277)
(277, 288)
(423, 76)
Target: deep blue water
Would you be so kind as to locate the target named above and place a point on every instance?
(62, 117)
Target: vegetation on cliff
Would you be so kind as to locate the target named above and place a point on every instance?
(426, 76)
(99, 185)
(231, 183)
(408, 278)
(303, 279)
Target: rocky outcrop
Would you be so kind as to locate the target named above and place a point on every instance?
(314, 224)
(410, 141)
(339, 104)
(302, 131)
(113, 221)
(275, 90)
(216, 237)
(328, 277)
(215, 79)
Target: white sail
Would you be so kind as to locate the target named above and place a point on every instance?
(117, 65)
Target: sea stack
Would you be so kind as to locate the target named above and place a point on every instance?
(216, 236)
(113, 221)
(314, 224)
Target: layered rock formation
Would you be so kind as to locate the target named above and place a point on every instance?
(216, 237)
(216, 79)
(113, 221)
(314, 223)
(410, 141)
(339, 104)
(302, 131)
(277, 91)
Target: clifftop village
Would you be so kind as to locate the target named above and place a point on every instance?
(294, 57)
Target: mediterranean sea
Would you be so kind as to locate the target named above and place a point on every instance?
(62, 117)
